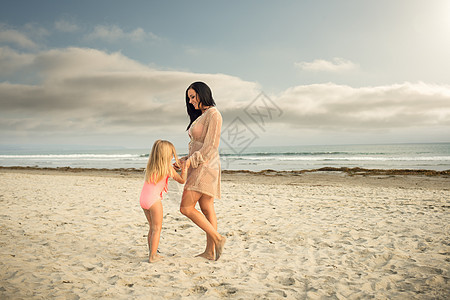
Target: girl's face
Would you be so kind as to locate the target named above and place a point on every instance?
(193, 98)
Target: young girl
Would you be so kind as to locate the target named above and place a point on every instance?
(157, 174)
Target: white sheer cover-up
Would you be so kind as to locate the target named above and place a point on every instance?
(204, 173)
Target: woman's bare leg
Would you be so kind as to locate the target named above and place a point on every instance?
(154, 216)
(207, 206)
(187, 208)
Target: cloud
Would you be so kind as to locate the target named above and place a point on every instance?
(36, 31)
(320, 65)
(15, 37)
(11, 61)
(92, 92)
(66, 26)
(114, 33)
(80, 92)
(339, 108)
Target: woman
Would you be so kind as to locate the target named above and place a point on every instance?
(203, 179)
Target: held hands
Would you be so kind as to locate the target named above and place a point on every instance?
(176, 166)
(183, 164)
(180, 178)
(179, 165)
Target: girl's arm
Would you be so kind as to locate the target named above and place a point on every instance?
(180, 178)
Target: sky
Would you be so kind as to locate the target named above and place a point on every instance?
(112, 73)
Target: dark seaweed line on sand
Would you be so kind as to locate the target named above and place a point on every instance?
(349, 171)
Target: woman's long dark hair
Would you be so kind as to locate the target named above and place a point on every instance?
(204, 95)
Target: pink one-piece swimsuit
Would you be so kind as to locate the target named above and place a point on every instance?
(152, 192)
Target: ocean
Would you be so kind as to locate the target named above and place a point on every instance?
(394, 156)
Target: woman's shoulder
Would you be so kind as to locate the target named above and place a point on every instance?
(213, 112)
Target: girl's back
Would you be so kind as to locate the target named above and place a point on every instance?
(152, 192)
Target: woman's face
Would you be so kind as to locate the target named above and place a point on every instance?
(193, 98)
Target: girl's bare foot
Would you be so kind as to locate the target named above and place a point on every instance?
(154, 258)
(206, 255)
(219, 247)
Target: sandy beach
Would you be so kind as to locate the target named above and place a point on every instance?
(72, 234)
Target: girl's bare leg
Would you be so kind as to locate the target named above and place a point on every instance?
(207, 206)
(149, 235)
(187, 208)
(154, 216)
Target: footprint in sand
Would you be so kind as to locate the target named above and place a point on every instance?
(199, 289)
(286, 281)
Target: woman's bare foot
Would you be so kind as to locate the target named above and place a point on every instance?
(219, 247)
(206, 255)
(154, 258)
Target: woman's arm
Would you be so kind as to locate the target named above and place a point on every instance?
(211, 142)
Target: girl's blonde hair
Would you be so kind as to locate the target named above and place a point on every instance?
(159, 161)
